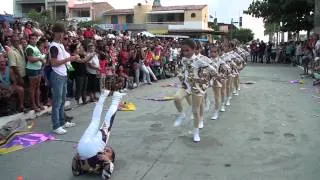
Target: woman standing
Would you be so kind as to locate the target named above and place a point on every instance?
(80, 71)
(93, 67)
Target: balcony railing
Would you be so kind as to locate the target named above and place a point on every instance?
(168, 22)
(30, 1)
(57, 1)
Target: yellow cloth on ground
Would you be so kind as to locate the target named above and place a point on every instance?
(127, 106)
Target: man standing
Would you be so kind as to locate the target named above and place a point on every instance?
(17, 60)
(59, 60)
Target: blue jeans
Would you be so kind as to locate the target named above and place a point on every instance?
(59, 91)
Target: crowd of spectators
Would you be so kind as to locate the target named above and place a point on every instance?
(106, 58)
(302, 53)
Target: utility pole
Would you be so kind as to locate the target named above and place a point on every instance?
(232, 23)
(55, 10)
(317, 16)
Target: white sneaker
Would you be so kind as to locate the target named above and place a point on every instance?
(69, 124)
(234, 91)
(237, 93)
(215, 115)
(60, 131)
(239, 89)
(228, 102)
(179, 120)
(223, 108)
(201, 124)
(196, 136)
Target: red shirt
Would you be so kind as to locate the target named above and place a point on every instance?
(124, 57)
(88, 33)
(148, 58)
(103, 70)
(27, 31)
(157, 50)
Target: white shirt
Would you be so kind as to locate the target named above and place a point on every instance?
(95, 62)
(317, 48)
(62, 54)
(173, 53)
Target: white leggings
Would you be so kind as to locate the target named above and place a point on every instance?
(92, 140)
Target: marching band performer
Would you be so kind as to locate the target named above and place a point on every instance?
(197, 73)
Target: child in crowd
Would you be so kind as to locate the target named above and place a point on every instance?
(102, 71)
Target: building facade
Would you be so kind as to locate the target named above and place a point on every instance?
(88, 11)
(58, 7)
(187, 19)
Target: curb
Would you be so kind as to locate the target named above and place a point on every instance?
(30, 115)
(300, 67)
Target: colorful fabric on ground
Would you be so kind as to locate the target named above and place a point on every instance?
(297, 82)
(165, 98)
(22, 140)
(176, 85)
(127, 106)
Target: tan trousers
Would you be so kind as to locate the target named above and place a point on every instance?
(179, 96)
(217, 91)
(197, 109)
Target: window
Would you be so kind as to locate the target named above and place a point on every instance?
(129, 18)
(193, 15)
(114, 19)
(81, 13)
(181, 17)
(170, 17)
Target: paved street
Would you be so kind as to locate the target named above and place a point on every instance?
(271, 132)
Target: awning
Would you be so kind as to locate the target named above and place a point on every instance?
(158, 31)
(166, 12)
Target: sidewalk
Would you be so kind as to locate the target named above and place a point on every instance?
(25, 116)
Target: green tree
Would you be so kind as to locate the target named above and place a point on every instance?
(213, 26)
(34, 15)
(243, 35)
(295, 15)
(41, 17)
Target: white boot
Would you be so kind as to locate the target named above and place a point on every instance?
(223, 106)
(196, 136)
(228, 101)
(201, 123)
(215, 115)
(179, 120)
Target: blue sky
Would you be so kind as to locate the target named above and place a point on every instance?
(223, 9)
